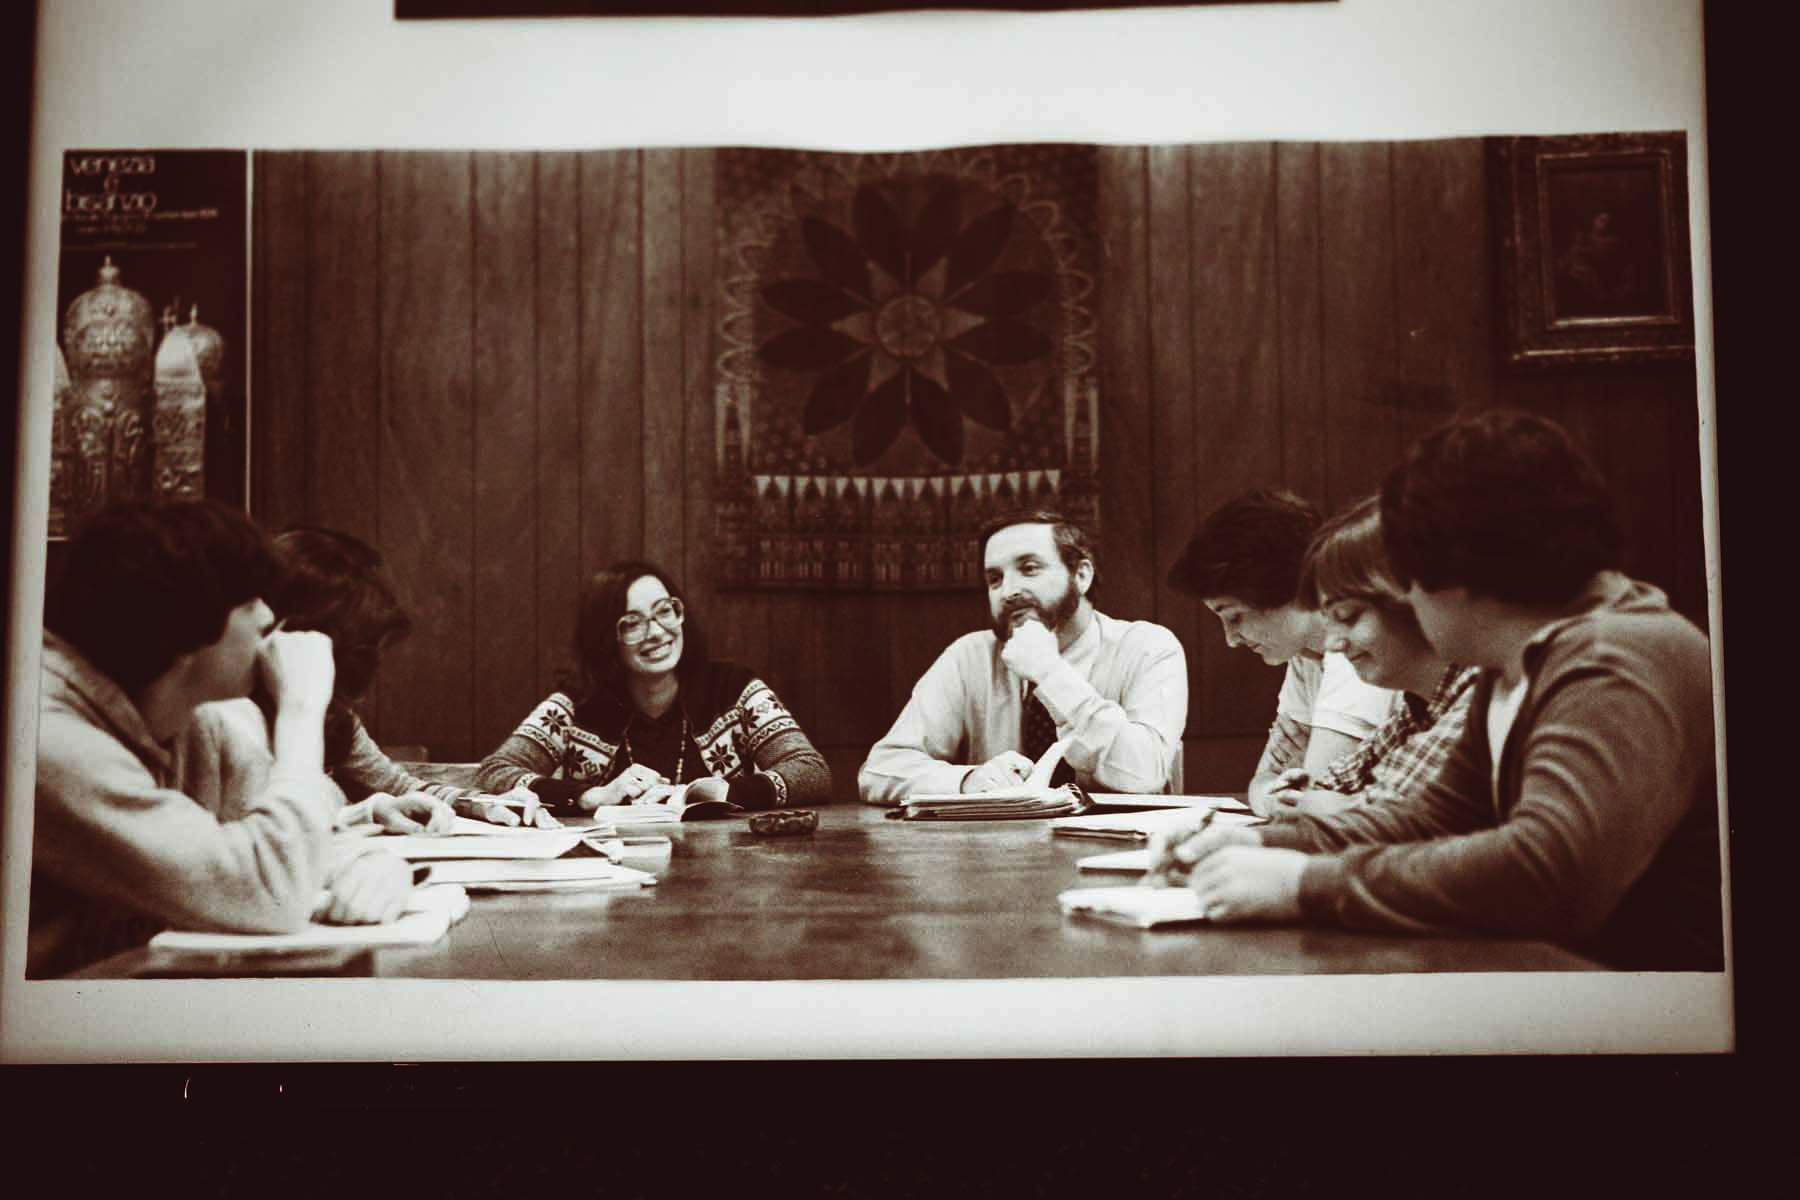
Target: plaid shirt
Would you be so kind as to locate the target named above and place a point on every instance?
(1409, 747)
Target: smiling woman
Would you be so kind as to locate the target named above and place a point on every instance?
(647, 707)
(1346, 576)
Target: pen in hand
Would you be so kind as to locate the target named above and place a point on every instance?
(1163, 868)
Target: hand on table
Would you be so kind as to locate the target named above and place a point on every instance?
(1030, 652)
(491, 810)
(1249, 883)
(415, 812)
(371, 890)
(1007, 769)
(632, 782)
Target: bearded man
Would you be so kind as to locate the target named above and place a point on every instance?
(1051, 667)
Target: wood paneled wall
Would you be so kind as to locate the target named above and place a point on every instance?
(497, 367)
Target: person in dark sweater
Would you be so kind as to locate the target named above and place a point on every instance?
(647, 708)
(1580, 805)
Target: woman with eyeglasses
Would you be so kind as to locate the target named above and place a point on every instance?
(647, 708)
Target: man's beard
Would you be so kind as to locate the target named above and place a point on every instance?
(1056, 618)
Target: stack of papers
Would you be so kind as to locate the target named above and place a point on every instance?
(992, 806)
(538, 875)
(1032, 798)
(429, 914)
(503, 843)
(1138, 907)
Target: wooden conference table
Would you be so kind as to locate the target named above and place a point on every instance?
(865, 897)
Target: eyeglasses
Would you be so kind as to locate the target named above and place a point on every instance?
(666, 612)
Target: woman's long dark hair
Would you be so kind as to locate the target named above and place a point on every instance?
(597, 684)
(338, 585)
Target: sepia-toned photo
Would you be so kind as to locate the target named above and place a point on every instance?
(1112, 567)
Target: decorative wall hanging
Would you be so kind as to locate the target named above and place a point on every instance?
(1591, 248)
(150, 400)
(906, 349)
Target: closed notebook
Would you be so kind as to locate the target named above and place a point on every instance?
(1032, 798)
(1123, 862)
(527, 875)
(1126, 800)
(430, 912)
(1138, 826)
(504, 843)
(1138, 907)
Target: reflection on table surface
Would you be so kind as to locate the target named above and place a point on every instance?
(865, 897)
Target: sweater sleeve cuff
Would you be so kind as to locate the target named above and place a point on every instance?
(1283, 834)
(758, 791)
(558, 794)
(1322, 885)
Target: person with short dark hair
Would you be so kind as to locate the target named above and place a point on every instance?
(1580, 805)
(338, 584)
(647, 708)
(1347, 579)
(156, 612)
(1243, 563)
(1051, 667)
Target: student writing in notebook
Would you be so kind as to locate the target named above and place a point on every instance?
(155, 613)
(1243, 563)
(1051, 667)
(1347, 579)
(1580, 804)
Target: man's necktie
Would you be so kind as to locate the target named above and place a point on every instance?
(1037, 732)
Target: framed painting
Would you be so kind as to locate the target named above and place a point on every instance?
(1591, 248)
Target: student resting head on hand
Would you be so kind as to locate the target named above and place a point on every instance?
(155, 629)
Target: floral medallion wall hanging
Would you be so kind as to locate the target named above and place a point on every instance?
(907, 348)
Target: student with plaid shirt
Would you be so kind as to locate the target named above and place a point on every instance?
(1345, 577)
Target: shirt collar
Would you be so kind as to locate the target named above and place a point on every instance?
(105, 701)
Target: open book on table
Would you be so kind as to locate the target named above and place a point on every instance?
(1032, 798)
(665, 804)
(430, 911)
(1139, 907)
